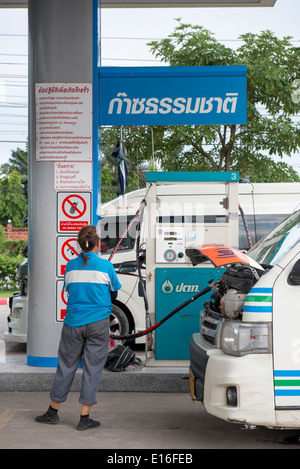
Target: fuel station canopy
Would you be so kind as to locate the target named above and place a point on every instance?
(160, 3)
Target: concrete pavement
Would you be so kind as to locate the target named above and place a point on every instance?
(130, 421)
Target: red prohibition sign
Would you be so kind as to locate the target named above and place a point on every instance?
(67, 244)
(63, 297)
(74, 211)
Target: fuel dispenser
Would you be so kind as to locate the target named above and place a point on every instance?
(171, 279)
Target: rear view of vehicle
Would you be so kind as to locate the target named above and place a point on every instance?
(17, 318)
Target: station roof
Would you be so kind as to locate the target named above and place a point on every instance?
(160, 3)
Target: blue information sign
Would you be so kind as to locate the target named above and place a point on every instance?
(173, 95)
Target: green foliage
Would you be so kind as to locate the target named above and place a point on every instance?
(110, 183)
(2, 236)
(9, 271)
(13, 204)
(12, 247)
(10, 258)
(260, 168)
(192, 45)
(18, 162)
(272, 66)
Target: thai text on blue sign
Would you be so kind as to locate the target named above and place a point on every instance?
(173, 95)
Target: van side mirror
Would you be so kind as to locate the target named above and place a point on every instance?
(294, 277)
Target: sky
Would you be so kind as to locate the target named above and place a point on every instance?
(124, 37)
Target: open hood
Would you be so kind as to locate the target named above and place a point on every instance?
(220, 255)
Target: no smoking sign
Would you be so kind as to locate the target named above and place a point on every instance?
(73, 211)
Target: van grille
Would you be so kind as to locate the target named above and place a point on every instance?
(210, 331)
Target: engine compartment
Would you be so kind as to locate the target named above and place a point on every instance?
(227, 299)
(231, 289)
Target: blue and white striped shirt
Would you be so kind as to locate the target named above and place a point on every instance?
(89, 289)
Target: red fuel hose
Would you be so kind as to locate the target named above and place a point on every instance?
(152, 328)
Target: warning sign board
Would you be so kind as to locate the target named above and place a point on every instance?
(67, 249)
(64, 121)
(73, 176)
(73, 211)
(61, 301)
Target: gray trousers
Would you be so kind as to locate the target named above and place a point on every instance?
(90, 343)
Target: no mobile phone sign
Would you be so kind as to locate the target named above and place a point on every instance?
(74, 211)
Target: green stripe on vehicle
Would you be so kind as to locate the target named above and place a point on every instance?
(287, 382)
(259, 298)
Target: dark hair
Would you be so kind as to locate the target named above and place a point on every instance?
(87, 240)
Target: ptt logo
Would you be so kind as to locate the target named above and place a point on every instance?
(225, 253)
(167, 287)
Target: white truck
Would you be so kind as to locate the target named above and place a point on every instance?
(264, 206)
(245, 361)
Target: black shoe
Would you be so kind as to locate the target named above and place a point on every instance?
(85, 424)
(47, 418)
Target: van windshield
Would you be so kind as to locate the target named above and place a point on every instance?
(278, 242)
(113, 228)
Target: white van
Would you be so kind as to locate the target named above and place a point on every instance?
(245, 361)
(264, 206)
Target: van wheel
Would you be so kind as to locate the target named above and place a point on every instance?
(118, 321)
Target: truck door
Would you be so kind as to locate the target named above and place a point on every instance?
(286, 340)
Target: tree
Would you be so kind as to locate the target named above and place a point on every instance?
(272, 70)
(13, 204)
(18, 162)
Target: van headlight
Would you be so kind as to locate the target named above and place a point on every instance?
(242, 338)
